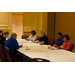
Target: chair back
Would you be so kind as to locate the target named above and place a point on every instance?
(24, 36)
(72, 46)
(51, 42)
(7, 53)
(1, 53)
(38, 37)
(39, 60)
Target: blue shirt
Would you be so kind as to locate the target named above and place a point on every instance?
(12, 44)
(45, 39)
(59, 42)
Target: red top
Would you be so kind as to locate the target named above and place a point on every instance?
(67, 46)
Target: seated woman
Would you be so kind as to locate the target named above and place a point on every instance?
(2, 39)
(6, 34)
(66, 45)
(33, 36)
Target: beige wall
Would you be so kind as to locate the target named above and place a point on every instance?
(17, 23)
(50, 25)
(3, 18)
(28, 22)
(44, 25)
(6, 21)
(31, 21)
(34, 21)
(65, 23)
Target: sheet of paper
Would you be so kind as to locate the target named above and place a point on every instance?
(23, 47)
(28, 41)
(34, 43)
(45, 45)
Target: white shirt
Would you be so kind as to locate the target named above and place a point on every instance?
(32, 38)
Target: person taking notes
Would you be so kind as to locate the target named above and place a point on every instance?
(43, 39)
(59, 41)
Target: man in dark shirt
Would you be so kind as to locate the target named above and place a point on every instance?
(2, 39)
(43, 39)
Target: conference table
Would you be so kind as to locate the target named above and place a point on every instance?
(35, 50)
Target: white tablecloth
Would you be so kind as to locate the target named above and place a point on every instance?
(42, 51)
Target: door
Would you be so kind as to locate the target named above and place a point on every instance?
(50, 26)
(17, 23)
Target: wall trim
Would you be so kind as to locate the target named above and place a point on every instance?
(3, 25)
(4, 28)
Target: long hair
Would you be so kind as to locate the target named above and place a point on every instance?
(2, 32)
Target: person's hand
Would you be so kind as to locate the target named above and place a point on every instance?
(21, 45)
(37, 40)
(27, 39)
(55, 46)
(34, 41)
(61, 47)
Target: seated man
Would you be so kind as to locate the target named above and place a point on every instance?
(59, 41)
(13, 45)
(43, 39)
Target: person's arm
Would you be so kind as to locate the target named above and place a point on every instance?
(55, 45)
(61, 42)
(3, 40)
(29, 38)
(42, 42)
(61, 47)
(17, 45)
(67, 47)
(36, 41)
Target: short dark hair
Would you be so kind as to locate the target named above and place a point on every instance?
(6, 32)
(2, 32)
(60, 33)
(33, 31)
(67, 36)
